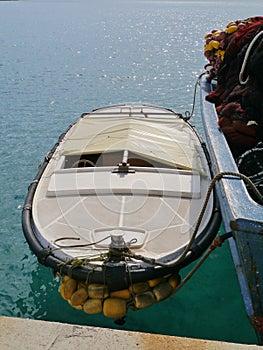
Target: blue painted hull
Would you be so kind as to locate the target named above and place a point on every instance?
(241, 215)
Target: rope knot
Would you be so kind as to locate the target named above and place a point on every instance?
(216, 243)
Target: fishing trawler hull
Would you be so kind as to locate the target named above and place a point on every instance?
(241, 214)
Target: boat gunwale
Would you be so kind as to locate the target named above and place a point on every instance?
(242, 220)
(222, 160)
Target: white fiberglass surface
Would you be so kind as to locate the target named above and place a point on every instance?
(170, 140)
(161, 224)
(155, 209)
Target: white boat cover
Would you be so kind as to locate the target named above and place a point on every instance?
(167, 140)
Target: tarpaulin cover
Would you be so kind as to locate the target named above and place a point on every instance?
(167, 140)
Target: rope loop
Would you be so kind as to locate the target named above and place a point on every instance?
(189, 115)
(244, 64)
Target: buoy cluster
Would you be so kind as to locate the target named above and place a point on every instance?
(217, 41)
(95, 298)
(236, 67)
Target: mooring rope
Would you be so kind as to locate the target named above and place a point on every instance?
(188, 115)
(218, 241)
(244, 64)
(176, 262)
(126, 253)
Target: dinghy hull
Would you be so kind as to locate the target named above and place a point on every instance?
(117, 199)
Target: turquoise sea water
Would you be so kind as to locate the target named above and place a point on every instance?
(61, 58)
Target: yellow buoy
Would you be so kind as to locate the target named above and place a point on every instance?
(114, 308)
(231, 29)
(174, 280)
(209, 46)
(98, 291)
(79, 297)
(143, 300)
(155, 281)
(162, 291)
(216, 33)
(122, 294)
(62, 290)
(221, 54)
(92, 306)
(207, 35)
(139, 287)
(69, 288)
(77, 307)
(215, 44)
(230, 24)
(65, 278)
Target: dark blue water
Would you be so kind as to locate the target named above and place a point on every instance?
(62, 58)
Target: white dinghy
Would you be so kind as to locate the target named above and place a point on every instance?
(115, 206)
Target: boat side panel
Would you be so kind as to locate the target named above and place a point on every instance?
(240, 213)
(233, 190)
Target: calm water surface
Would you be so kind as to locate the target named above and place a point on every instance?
(61, 58)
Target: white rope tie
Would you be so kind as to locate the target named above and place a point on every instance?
(241, 81)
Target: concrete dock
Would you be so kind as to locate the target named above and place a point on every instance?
(25, 334)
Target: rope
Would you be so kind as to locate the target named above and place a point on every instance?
(211, 186)
(218, 241)
(176, 262)
(189, 115)
(248, 181)
(76, 245)
(75, 262)
(241, 81)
